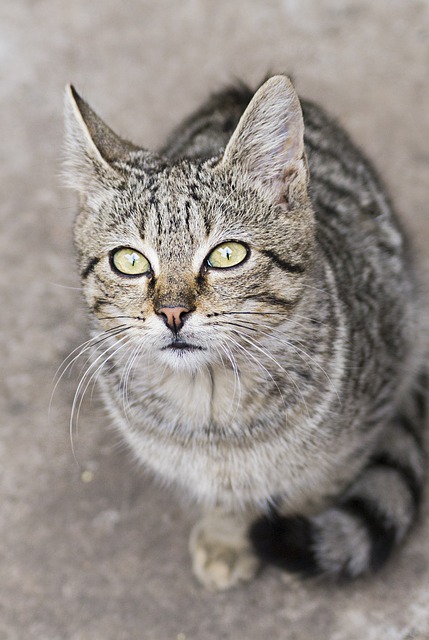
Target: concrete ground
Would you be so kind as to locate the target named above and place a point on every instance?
(97, 551)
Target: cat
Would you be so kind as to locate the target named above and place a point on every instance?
(257, 329)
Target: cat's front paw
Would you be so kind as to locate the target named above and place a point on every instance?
(221, 554)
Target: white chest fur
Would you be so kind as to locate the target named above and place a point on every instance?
(195, 432)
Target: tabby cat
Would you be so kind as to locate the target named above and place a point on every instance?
(256, 329)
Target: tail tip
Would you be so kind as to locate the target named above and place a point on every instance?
(286, 542)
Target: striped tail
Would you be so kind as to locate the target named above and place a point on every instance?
(359, 533)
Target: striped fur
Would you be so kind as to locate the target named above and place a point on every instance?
(298, 410)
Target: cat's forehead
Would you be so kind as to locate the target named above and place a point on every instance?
(180, 183)
(182, 205)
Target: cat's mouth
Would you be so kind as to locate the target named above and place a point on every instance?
(181, 345)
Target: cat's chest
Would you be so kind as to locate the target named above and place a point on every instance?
(180, 401)
(199, 399)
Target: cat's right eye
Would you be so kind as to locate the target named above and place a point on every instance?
(129, 262)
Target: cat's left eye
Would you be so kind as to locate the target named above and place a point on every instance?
(129, 262)
(227, 254)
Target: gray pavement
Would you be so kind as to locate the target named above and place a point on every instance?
(98, 551)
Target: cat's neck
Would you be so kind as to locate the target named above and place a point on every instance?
(211, 395)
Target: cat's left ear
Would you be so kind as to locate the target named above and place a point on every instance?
(91, 146)
(267, 146)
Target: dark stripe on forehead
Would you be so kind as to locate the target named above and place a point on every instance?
(286, 266)
(89, 267)
(207, 224)
(193, 191)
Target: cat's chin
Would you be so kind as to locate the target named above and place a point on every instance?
(185, 357)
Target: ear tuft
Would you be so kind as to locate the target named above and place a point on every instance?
(268, 143)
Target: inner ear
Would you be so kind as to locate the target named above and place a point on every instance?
(268, 143)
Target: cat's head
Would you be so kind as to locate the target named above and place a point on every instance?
(194, 261)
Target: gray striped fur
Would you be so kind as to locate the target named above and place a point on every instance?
(301, 412)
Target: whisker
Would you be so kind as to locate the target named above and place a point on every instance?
(269, 355)
(94, 381)
(86, 381)
(292, 346)
(237, 381)
(289, 317)
(64, 286)
(120, 318)
(126, 375)
(258, 348)
(68, 362)
(256, 327)
(87, 344)
(90, 348)
(250, 357)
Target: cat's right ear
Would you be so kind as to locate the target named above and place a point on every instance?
(91, 147)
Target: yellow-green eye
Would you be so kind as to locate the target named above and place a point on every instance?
(130, 262)
(227, 254)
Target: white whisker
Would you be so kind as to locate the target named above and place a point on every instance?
(237, 381)
(126, 375)
(250, 357)
(288, 343)
(268, 355)
(68, 362)
(84, 383)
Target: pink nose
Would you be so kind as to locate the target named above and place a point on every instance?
(174, 317)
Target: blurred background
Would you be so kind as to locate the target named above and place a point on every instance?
(95, 550)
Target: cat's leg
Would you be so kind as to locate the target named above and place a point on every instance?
(222, 554)
(358, 534)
